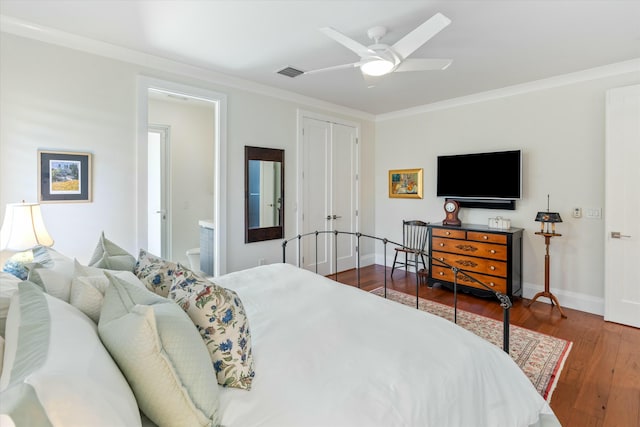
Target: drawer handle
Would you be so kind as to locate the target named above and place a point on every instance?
(448, 233)
(492, 284)
(467, 248)
(441, 273)
(485, 237)
(441, 259)
(492, 268)
(442, 245)
(466, 263)
(493, 251)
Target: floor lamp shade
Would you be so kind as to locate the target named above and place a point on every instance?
(23, 228)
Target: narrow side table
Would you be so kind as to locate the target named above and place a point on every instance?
(546, 292)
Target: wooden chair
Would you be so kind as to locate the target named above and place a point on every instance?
(414, 239)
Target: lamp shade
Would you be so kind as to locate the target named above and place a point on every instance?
(548, 217)
(23, 228)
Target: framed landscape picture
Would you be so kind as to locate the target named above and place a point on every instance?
(64, 177)
(405, 183)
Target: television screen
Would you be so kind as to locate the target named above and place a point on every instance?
(495, 175)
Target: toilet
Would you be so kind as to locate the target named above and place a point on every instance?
(193, 255)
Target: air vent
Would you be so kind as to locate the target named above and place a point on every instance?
(290, 72)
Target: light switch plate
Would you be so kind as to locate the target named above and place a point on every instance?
(593, 213)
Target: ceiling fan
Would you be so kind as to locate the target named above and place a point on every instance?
(379, 59)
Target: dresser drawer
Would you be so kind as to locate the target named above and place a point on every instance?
(468, 263)
(466, 247)
(445, 274)
(487, 237)
(444, 232)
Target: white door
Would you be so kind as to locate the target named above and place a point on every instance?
(157, 192)
(622, 206)
(329, 194)
(268, 205)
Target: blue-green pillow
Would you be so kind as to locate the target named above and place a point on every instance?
(18, 264)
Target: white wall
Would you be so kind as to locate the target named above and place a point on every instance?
(58, 98)
(192, 167)
(561, 134)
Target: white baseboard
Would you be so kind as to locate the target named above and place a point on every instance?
(568, 299)
(366, 260)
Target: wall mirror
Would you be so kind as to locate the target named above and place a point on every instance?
(263, 194)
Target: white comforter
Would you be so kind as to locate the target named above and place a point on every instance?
(328, 354)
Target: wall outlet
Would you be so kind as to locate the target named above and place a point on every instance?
(576, 213)
(262, 261)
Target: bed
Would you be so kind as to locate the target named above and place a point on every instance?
(324, 354)
(328, 354)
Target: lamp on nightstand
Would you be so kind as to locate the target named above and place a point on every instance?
(23, 228)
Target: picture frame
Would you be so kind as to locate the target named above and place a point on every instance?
(405, 183)
(64, 177)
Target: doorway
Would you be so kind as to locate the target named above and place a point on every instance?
(329, 191)
(158, 230)
(218, 181)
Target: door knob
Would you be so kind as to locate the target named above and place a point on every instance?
(336, 216)
(617, 235)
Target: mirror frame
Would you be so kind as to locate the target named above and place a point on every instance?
(265, 233)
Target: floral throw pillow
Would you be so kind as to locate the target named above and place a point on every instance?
(222, 322)
(155, 273)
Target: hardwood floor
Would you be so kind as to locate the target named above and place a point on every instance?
(600, 382)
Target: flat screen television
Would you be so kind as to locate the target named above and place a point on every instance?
(488, 176)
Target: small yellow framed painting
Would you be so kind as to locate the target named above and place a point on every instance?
(64, 177)
(405, 183)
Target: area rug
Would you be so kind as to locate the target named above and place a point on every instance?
(540, 356)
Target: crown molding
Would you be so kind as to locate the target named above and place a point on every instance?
(49, 35)
(615, 69)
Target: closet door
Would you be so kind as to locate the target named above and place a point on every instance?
(329, 194)
(622, 207)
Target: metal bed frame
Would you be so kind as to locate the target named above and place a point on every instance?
(503, 299)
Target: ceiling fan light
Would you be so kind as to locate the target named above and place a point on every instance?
(377, 67)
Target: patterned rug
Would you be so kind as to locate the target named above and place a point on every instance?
(540, 356)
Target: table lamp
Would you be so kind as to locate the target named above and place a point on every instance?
(546, 218)
(23, 228)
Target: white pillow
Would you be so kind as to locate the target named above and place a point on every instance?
(162, 355)
(54, 273)
(89, 285)
(56, 370)
(1, 353)
(8, 286)
(109, 255)
(53, 282)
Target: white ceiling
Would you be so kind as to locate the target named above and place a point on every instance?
(493, 44)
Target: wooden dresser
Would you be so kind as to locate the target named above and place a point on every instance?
(490, 255)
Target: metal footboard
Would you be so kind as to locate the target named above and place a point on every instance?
(504, 300)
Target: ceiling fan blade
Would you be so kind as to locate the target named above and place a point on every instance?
(347, 42)
(335, 67)
(416, 38)
(418, 64)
